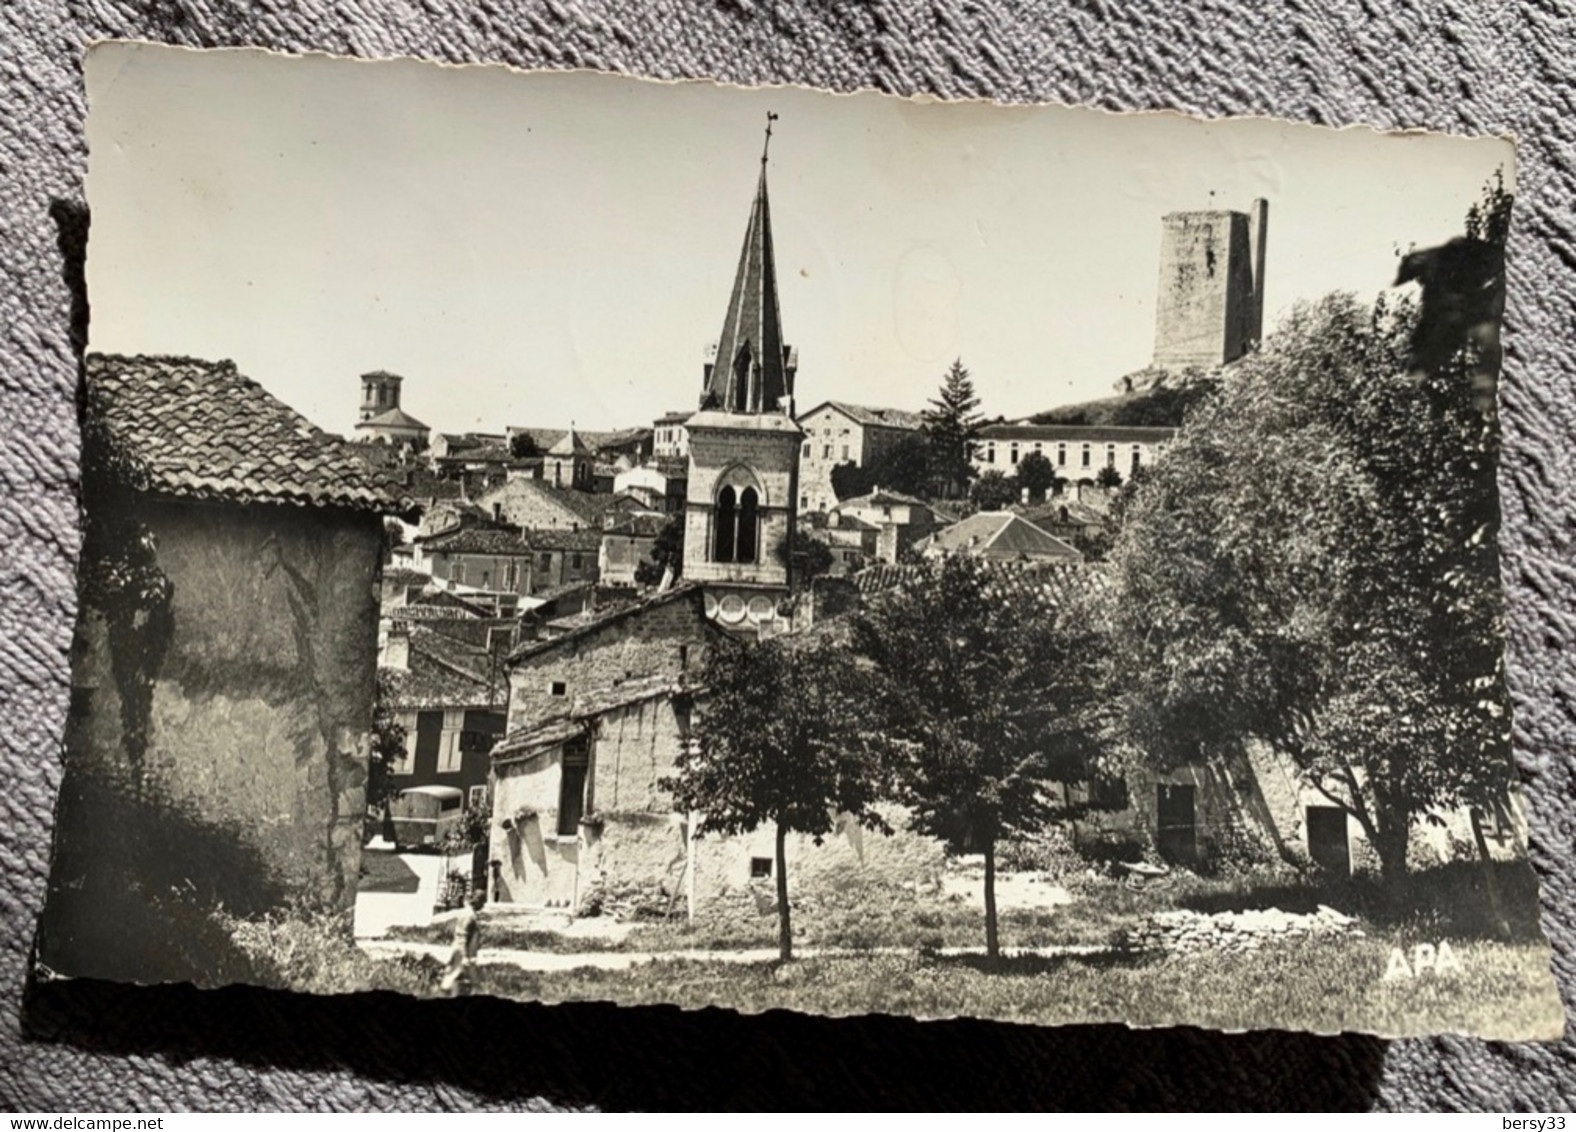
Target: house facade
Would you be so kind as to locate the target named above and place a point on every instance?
(836, 433)
(1077, 452)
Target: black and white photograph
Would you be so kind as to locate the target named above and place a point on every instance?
(564, 537)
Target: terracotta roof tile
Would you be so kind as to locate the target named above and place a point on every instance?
(200, 430)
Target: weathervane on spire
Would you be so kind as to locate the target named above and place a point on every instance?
(770, 118)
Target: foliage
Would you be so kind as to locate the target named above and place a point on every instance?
(1355, 625)
(952, 425)
(1108, 477)
(805, 556)
(903, 467)
(523, 446)
(667, 551)
(988, 704)
(388, 744)
(993, 491)
(1037, 474)
(313, 952)
(782, 741)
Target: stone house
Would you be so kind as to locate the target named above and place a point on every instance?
(224, 662)
(593, 711)
(536, 505)
(449, 694)
(836, 433)
(901, 521)
(998, 536)
(505, 560)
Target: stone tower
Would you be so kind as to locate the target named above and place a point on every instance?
(1210, 308)
(379, 393)
(744, 444)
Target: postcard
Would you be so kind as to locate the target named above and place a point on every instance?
(559, 537)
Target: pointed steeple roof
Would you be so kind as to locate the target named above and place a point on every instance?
(750, 373)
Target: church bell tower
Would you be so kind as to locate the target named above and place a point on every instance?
(744, 444)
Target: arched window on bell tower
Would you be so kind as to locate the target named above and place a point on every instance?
(749, 525)
(726, 523)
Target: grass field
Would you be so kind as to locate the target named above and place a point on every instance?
(1499, 984)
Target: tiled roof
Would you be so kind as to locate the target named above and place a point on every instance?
(446, 672)
(871, 415)
(884, 497)
(1104, 434)
(999, 534)
(640, 525)
(476, 540)
(590, 704)
(570, 444)
(523, 742)
(393, 418)
(592, 621)
(563, 540)
(1015, 582)
(548, 438)
(200, 430)
(482, 452)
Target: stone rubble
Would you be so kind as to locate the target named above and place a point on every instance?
(1186, 932)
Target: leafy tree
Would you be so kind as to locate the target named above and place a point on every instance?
(1355, 627)
(1108, 477)
(986, 704)
(780, 740)
(388, 745)
(1037, 474)
(952, 425)
(993, 491)
(903, 467)
(523, 446)
(806, 556)
(667, 550)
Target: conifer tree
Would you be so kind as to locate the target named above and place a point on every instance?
(952, 425)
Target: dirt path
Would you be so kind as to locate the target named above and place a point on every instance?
(550, 961)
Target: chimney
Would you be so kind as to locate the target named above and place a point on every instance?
(396, 647)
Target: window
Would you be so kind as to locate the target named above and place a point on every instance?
(990, 453)
(804, 503)
(1138, 452)
(547, 562)
(826, 452)
(1061, 455)
(572, 787)
(737, 521)
(1012, 454)
(558, 688)
(806, 449)
(486, 579)
(476, 797)
(683, 658)
(760, 868)
(511, 575)
(1086, 455)
(1038, 446)
(457, 573)
(449, 742)
(1110, 455)
(845, 451)
(574, 561)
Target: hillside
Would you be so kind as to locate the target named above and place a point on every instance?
(1155, 399)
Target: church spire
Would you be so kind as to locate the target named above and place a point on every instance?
(751, 373)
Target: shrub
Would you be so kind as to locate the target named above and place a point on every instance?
(315, 953)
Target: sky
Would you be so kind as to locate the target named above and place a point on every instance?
(541, 249)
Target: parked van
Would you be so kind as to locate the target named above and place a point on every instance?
(424, 815)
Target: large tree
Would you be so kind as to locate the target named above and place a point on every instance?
(952, 425)
(989, 699)
(993, 491)
(1312, 566)
(1036, 474)
(667, 553)
(781, 738)
(903, 466)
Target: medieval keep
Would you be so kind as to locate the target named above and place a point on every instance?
(742, 503)
(1210, 305)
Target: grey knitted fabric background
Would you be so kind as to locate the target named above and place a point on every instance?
(1475, 65)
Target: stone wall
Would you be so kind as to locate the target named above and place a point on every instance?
(644, 643)
(1206, 301)
(250, 790)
